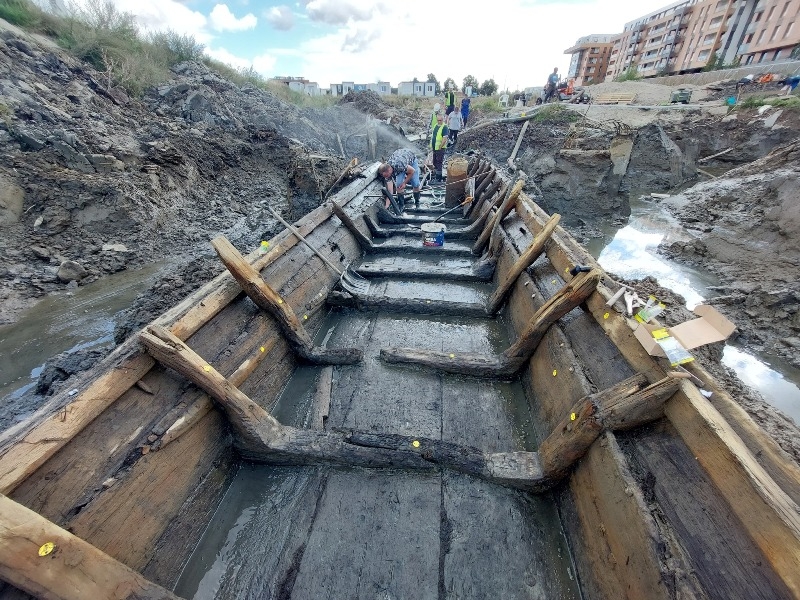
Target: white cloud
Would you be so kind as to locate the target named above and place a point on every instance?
(155, 15)
(224, 56)
(222, 19)
(265, 64)
(280, 17)
(340, 12)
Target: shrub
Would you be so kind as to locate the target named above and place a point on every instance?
(18, 12)
(556, 113)
(630, 74)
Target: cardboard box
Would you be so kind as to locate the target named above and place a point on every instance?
(710, 326)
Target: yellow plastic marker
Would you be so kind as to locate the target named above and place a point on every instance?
(305, 317)
(263, 349)
(554, 281)
(280, 301)
(415, 443)
(452, 356)
(206, 367)
(46, 548)
(573, 416)
(427, 301)
(605, 316)
(265, 244)
(555, 372)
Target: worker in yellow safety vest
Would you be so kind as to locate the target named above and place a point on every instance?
(438, 145)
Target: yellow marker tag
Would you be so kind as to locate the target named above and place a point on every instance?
(46, 548)
(263, 349)
(415, 443)
(573, 416)
(206, 367)
(605, 316)
(427, 301)
(265, 244)
(452, 356)
(554, 281)
(280, 301)
(305, 317)
(566, 270)
(555, 372)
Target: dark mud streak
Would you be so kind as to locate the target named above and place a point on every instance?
(445, 536)
(290, 577)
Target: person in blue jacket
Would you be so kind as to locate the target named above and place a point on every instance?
(465, 110)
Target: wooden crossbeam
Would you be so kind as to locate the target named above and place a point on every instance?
(46, 561)
(267, 299)
(261, 438)
(514, 358)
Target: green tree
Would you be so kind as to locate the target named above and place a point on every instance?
(488, 87)
(432, 79)
(469, 80)
(630, 74)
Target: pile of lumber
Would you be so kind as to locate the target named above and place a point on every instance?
(615, 99)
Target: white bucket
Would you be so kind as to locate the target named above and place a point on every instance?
(433, 234)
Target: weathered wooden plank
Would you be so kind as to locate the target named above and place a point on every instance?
(523, 262)
(414, 306)
(46, 561)
(505, 208)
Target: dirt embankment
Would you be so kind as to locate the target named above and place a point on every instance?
(93, 182)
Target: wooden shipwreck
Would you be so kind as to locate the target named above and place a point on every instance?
(416, 480)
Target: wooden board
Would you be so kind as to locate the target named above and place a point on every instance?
(614, 99)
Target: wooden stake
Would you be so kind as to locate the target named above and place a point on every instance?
(267, 299)
(347, 169)
(46, 561)
(523, 262)
(517, 145)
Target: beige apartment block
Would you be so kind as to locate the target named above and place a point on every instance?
(772, 32)
(589, 60)
(686, 36)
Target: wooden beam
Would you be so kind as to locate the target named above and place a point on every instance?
(517, 145)
(363, 240)
(267, 299)
(626, 405)
(502, 212)
(527, 259)
(46, 561)
(252, 422)
(516, 356)
(414, 306)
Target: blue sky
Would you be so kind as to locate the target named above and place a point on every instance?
(517, 43)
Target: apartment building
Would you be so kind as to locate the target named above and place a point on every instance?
(589, 60)
(685, 36)
(772, 32)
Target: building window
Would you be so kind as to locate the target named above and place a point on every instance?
(762, 57)
(777, 55)
(703, 54)
(761, 36)
(785, 8)
(774, 32)
(788, 29)
(748, 39)
(771, 12)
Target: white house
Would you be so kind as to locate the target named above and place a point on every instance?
(382, 88)
(416, 88)
(300, 84)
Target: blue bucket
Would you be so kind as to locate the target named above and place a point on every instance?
(433, 234)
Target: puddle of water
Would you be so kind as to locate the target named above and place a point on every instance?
(82, 320)
(630, 252)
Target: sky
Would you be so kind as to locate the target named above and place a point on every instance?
(516, 43)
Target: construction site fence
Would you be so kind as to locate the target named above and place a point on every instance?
(784, 68)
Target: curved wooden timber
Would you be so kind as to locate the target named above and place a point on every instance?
(266, 298)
